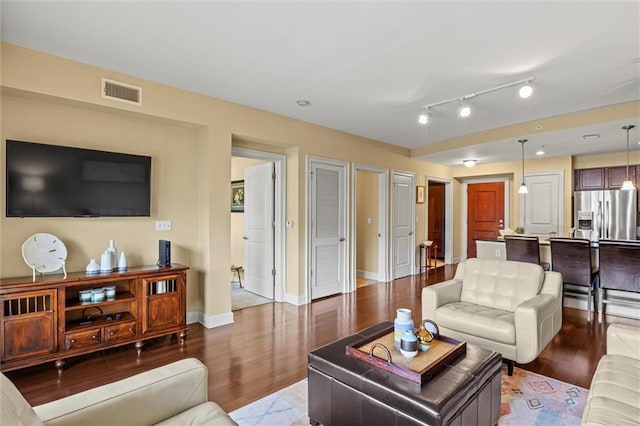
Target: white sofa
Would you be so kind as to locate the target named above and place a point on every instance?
(513, 308)
(614, 397)
(175, 394)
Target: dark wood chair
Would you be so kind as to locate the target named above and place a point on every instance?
(523, 248)
(619, 270)
(572, 258)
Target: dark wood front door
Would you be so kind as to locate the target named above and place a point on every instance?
(436, 217)
(485, 212)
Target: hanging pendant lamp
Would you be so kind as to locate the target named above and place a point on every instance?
(523, 187)
(627, 185)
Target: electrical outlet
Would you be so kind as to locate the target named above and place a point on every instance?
(498, 253)
(163, 225)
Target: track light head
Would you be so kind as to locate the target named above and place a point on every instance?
(465, 111)
(424, 118)
(525, 91)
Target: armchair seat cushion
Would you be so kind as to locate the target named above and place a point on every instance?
(479, 321)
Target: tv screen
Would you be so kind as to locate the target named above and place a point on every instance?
(60, 181)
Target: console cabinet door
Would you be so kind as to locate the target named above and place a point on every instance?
(28, 324)
(164, 303)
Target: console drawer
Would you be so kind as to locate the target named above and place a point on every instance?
(82, 339)
(119, 331)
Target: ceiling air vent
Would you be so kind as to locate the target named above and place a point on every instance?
(121, 92)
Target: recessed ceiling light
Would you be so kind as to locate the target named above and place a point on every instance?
(469, 163)
(591, 136)
(303, 102)
(540, 152)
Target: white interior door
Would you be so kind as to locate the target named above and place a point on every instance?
(543, 204)
(328, 204)
(403, 209)
(259, 229)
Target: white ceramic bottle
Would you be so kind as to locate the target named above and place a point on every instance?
(114, 255)
(122, 262)
(402, 323)
(106, 265)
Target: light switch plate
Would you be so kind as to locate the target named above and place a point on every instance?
(163, 225)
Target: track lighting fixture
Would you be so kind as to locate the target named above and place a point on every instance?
(525, 91)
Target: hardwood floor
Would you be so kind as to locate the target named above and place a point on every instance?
(266, 348)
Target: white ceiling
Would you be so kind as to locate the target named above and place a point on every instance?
(368, 68)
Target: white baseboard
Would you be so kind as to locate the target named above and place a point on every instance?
(367, 274)
(211, 321)
(611, 309)
(295, 300)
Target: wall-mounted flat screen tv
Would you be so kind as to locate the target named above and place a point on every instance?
(60, 181)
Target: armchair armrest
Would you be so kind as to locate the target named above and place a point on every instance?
(438, 295)
(146, 398)
(537, 321)
(623, 339)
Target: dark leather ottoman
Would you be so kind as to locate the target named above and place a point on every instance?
(347, 391)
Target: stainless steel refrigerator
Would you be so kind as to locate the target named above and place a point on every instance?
(609, 214)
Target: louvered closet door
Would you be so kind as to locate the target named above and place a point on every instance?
(328, 234)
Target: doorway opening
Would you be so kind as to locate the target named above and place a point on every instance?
(436, 221)
(257, 228)
(369, 224)
(440, 218)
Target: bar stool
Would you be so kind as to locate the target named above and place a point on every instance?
(238, 270)
(619, 270)
(523, 248)
(572, 258)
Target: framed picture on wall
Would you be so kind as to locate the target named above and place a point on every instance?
(237, 196)
(420, 194)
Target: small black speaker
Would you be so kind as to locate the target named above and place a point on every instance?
(164, 253)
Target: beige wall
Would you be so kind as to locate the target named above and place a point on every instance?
(367, 233)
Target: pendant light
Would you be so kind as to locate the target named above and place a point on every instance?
(627, 185)
(523, 187)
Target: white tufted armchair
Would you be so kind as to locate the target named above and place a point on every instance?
(513, 308)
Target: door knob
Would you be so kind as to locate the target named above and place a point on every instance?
(342, 239)
(245, 238)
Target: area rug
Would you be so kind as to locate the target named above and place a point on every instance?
(241, 298)
(527, 399)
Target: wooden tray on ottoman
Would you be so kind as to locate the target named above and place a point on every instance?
(442, 351)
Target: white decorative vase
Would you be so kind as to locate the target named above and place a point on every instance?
(402, 323)
(122, 262)
(106, 265)
(114, 255)
(93, 267)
